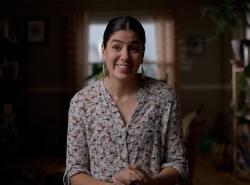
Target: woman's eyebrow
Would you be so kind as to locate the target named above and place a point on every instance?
(133, 42)
(116, 41)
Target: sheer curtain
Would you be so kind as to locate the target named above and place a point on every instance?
(166, 48)
(77, 49)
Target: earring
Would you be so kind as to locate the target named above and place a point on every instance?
(104, 70)
(142, 71)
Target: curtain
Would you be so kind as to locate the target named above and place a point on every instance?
(77, 49)
(166, 48)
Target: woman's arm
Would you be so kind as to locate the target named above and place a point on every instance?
(134, 175)
(174, 163)
(84, 179)
(77, 159)
(166, 176)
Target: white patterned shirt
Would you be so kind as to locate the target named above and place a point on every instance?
(101, 145)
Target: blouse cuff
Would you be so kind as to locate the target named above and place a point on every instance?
(73, 171)
(181, 168)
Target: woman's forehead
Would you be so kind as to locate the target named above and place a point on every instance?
(124, 36)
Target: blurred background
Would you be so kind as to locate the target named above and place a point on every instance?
(49, 49)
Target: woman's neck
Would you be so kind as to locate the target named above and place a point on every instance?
(119, 89)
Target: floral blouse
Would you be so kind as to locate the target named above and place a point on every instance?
(101, 145)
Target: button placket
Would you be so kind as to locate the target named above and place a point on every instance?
(124, 153)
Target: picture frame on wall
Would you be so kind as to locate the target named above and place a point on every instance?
(195, 45)
(37, 30)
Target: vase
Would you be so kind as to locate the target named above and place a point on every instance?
(237, 51)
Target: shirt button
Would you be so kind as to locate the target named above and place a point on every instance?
(123, 155)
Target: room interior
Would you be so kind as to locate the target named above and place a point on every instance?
(47, 68)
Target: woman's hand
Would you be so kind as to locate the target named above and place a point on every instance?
(133, 175)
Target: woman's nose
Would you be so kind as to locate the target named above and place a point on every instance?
(125, 54)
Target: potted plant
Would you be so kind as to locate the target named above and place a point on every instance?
(229, 15)
(226, 14)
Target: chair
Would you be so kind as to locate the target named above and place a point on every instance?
(193, 129)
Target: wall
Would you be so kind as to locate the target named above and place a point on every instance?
(202, 79)
(205, 77)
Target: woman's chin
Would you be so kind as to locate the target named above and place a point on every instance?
(124, 76)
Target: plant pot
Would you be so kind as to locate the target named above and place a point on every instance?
(236, 47)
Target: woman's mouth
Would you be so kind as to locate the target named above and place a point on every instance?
(123, 66)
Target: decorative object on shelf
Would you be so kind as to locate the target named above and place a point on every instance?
(241, 53)
(245, 51)
(37, 31)
(9, 132)
(236, 47)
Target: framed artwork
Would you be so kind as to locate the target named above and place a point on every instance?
(37, 30)
(195, 45)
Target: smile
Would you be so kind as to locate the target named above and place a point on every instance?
(123, 66)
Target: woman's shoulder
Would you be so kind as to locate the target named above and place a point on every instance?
(158, 87)
(160, 91)
(87, 92)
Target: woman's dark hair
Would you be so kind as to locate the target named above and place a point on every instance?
(124, 23)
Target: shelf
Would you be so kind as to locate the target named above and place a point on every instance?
(238, 114)
(12, 95)
(239, 160)
(238, 69)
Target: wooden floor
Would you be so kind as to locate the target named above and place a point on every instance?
(207, 172)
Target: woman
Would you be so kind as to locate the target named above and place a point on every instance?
(125, 128)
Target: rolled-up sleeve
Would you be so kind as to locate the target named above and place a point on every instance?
(174, 156)
(77, 157)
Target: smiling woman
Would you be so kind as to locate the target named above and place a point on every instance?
(125, 128)
(123, 54)
(96, 28)
(159, 59)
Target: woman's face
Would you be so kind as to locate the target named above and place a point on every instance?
(123, 55)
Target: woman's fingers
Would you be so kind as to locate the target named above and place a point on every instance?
(127, 176)
(132, 175)
(120, 181)
(144, 177)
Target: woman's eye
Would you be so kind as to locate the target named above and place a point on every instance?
(135, 49)
(117, 48)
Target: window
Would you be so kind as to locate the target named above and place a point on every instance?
(96, 30)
